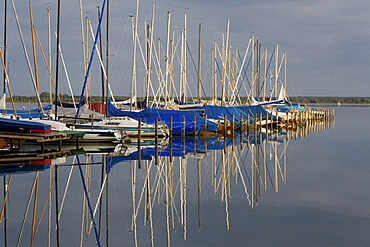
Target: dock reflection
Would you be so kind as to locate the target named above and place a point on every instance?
(143, 194)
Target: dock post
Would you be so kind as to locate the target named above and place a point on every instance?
(225, 134)
(171, 157)
(156, 140)
(183, 127)
(248, 120)
(171, 126)
(232, 131)
(241, 121)
(139, 144)
(195, 125)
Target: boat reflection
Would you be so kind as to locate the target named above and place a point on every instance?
(141, 194)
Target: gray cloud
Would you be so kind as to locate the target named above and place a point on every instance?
(326, 41)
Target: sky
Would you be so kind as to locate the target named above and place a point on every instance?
(327, 42)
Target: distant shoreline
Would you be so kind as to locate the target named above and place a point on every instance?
(303, 104)
(308, 100)
(336, 105)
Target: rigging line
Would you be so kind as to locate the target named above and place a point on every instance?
(119, 204)
(241, 68)
(88, 201)
(48, 67)
(99, 198)
(33, 233)
(5, 198)
(67, 77)
(281, 64)
(91, 59)
(243, 182)
(65, 192)
(141, 194)
(45, 203)
(173, 195)
(195, 67)
(156, 182)
(101, 62)
(27, 208)
(159, 178)
(26, 55)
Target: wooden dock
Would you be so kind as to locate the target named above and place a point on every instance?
(15, 139)
(24, 157)
(38, 137)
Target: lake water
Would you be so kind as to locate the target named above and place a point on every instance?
(262, 190)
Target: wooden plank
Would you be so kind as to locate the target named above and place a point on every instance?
(39, 137)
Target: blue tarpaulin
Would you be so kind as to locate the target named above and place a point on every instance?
(180, 119)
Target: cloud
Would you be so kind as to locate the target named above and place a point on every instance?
(326, 41)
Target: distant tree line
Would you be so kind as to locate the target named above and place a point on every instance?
(45, 98)
(330, 100)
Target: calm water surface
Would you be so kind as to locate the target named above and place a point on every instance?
(274, 190)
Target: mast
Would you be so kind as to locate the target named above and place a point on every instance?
(276, 70)
(49, 56)
(167, 64)
(285, 73)
(7, 82)
(213, 73)
(183, 94)
(134, 43)
(252, 68)
(265, 74)
(199, 93)
(90, 61)
(105, 93)
(34, 50)
(25, 53)
(149, 54)
(258, 76)
(101, 69)
(57, 64)
(224, 59)
(5, 39)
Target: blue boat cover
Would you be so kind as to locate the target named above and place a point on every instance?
(218, 113)
(112, 111)
(149, 115)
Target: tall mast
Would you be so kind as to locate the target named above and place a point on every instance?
(276, 71)
(5, 39)
(134, 43)
(252, 68)
(213, 73)
(49, 56)
(265, 74)
(149, 42)
(199, 94)
(101, 68)
(258, 76)
(167, 64)
(90, 60)
(284, 73)
(107, 53)
(147, 45)
(183, 86)
(57, 64)
(224, 62)
(34, 50)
